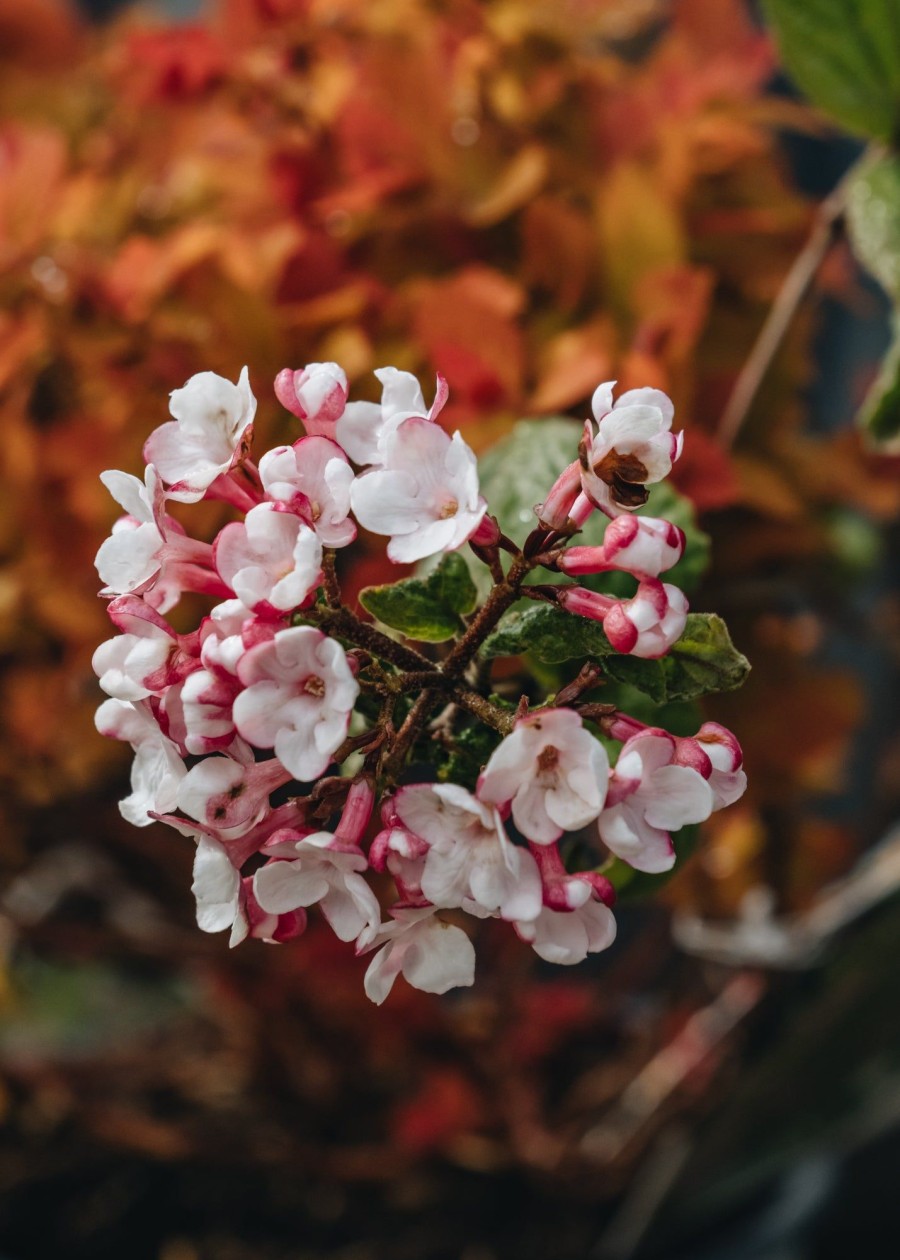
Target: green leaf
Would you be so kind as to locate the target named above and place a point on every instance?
(548, 633)
(648, 676)
(516, 474)
(704, 659)
(845, 55)
(873, 220)
(879, 416)
(472, 747)
(427, 608)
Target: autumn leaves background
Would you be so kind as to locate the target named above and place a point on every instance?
(530, 198)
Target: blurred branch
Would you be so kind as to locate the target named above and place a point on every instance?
(758, 939)
(702, 1035)
(826, 229)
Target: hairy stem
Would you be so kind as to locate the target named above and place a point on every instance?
(330, 583)
(363, 634)
(412, 726)
(438, 682)
(502, 597)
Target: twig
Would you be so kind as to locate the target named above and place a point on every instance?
(409, 731)
(330, 583)
(362, 634)
(796, 284)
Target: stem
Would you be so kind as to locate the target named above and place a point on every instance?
(501, 597)
(489, 713)
(330, 581)
(439, 682)
(362, 634)
(409, 731)
(825, 231)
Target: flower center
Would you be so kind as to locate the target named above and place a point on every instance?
(450, 508)
(548, 759)
(314, 685)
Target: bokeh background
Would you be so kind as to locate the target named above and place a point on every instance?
(530, 196)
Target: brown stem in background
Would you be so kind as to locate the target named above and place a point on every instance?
(826, 229)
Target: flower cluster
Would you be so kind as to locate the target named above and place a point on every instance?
(270, 733)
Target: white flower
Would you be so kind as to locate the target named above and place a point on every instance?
(224, 900)
(217, 891)
(471, 862)
(553, 772)
(648, 797)
(228, 794)
(157, 769)
(300, 692)
(728, 782)
(426, 495)
(148, 552)
(211, 430)
(141, 661)
(632, 448)
(271, 560)
(317, 870)
(129, 559)
(567, 937)
(313, 479)
(316, 395)
(432, 955)
(364, 427)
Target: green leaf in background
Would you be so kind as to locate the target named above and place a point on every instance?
(472, 747)
(845, 55)
(879, 416)
(518, 471)
(428, 608)
(704, 660)
(873, 220)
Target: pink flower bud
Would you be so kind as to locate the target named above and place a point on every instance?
(554, 511)
(585, 603)
(357, 812)
(273, 928)
(633, 544)
(725, 757)
(317, 395)
(487, 534)
(563, 891)
(650, 622)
